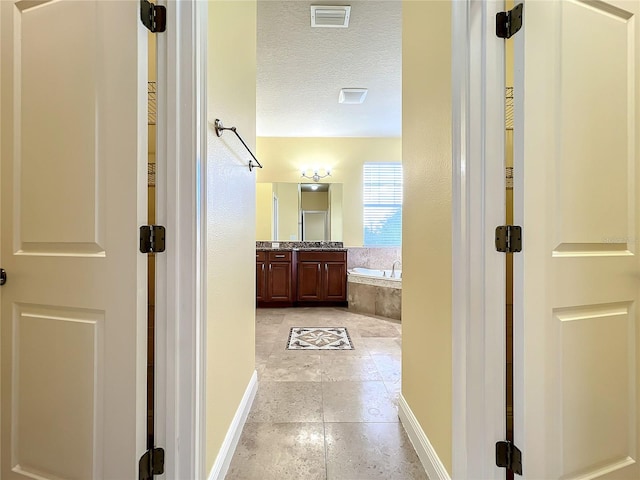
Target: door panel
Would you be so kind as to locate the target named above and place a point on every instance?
(309, 281)
(336, 275)
(56, 347)
(73, 194)
(280, 281)
(261, 280)
(577, 94)
(596, 208)
(48, 79)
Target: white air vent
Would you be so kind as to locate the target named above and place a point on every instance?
(352, 95)
(330, 16)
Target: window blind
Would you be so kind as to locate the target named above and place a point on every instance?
(382, 214)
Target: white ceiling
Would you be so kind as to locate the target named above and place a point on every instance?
(301, 70)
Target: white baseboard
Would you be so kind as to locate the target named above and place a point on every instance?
(426, 453)
(223, 460)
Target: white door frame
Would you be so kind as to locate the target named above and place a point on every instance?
(478, 270)
(181, 279)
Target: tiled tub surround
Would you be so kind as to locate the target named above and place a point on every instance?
(371, 295)
(374, 295)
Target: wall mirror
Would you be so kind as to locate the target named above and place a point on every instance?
(301, 211)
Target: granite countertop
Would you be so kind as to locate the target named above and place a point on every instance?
(301, 249)
(267, 246)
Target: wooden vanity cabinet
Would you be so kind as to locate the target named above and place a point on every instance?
(261, 276)
(322, 277)
(274, 278)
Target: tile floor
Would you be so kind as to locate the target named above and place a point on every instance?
(326, 415)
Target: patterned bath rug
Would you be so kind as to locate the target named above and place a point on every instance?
(319, 338)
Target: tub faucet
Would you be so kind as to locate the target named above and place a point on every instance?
(393, 268)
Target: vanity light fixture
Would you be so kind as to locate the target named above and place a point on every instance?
(316, 174)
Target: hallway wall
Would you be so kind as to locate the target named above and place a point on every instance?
(426, 228)
(264, 211)
(231, 227)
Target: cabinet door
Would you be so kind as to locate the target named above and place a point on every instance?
(280, 282)
(261, 281)
(309, 281)
(335, 285)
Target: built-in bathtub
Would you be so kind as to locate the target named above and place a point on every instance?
(375, 292)
(395, 275)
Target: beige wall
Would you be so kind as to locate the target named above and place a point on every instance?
(315, 201)
(288, 211)
(335, 212)
(231, 204)
(284, 157)
(264, 209)
(426, 249)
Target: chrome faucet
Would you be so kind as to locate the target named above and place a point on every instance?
(393, 268)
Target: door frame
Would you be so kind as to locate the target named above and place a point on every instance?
(181, 270)
(478, 206)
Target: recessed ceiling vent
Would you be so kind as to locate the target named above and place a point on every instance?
(352, 95)
(330, 16)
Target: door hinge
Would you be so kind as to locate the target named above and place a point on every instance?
(154, 17)
(151, 463)
(152, 238)
(509, 456)
(509, 238)
(509, 23)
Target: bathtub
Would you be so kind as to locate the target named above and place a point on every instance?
(370, 272)
(375, 292)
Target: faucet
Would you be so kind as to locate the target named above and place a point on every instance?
(393, 268)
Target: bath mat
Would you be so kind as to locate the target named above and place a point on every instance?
(319, 338)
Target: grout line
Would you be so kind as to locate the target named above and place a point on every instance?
(324, 423)
(324, 433)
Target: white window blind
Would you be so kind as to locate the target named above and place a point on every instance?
(382, 204)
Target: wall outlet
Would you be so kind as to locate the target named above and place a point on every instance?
(275, 244)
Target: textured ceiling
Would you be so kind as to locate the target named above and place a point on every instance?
(301, 70)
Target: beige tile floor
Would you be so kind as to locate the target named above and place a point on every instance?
(326, 415)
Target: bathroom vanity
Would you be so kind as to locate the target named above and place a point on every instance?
(301, 274)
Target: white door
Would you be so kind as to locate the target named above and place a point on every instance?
(73, 194)
(577, 280)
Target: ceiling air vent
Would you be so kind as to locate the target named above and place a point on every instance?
(330, 16)
(352, 95)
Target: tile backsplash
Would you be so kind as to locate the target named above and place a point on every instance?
(380, 258)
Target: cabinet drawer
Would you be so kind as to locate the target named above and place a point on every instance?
(261, 256)
(322, 256)
(279, 256)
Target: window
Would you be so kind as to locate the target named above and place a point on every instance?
(382, 204)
